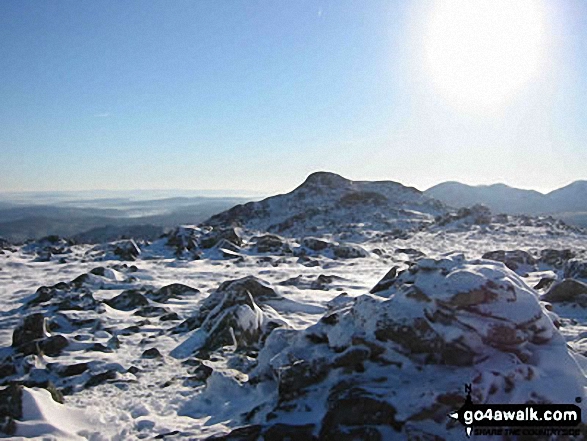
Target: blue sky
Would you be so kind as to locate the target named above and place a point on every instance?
(255, 95)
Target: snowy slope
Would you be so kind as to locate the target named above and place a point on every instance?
(323, 331)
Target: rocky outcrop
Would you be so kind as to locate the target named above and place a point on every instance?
(234, 315)
(567, 290)
(370, 367)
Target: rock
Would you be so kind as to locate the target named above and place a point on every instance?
(100, 378)
(151, 311)
(128, 300)
(54, 345)
(217, 234)
(10, 408)
(544, 283)
(152, 353)
(512, 259)
(410, 252)
(169, 317)
(576, 269)
(173, 291)
(355, 409)
(33, 327)
(231, 316)
(127, 250)
(73, 369)
(387, 281)
(349, 251)
(294, 378)
(184, 240)
(568, 290)
(314, 243)
(556, 258)
(280, 432)
(202, 372)
(270, 243)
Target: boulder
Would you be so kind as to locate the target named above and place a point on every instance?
(173, 291)
(128, 300)
(576, 269)
(568, 290)
(10, 408)
(270, 243)
(33, 327)
(127, 250)
(217, 234)
(512, 259)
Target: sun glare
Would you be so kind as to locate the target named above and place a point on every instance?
(479, 53)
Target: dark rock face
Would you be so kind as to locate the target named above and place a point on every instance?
(184, 240)
(66, 296)
(127, 250)
(128, 300)
(31, 337)
(512, 259)
(152, 353)
(10, 408)
(556, 258)
(234, 314)
(214, 236)
(568, 290)
(173, 291)
(32, 328)
(576, 269)
(270, 243)
(314, 243)
(54, 345)
(386, 282)
(355, 411)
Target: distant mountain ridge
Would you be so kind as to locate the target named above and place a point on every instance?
(568, 203)
(327, 203)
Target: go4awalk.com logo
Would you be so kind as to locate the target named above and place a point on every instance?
(518, 419)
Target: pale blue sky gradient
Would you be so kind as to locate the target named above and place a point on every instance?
(255, 95)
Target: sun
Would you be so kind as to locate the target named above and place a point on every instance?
(480, 53)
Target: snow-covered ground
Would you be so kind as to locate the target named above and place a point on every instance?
(215, 330)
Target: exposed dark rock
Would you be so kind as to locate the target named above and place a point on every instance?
(73, 369)
(32, 327)
(387, 280)
(357, 198)
(556, 258)
(544, 283)
(185, 241)
(217, 234)
(128, 300)
(127, 250)
(152, 353)
(270, 243)
(10, 408)
(151, 311)
(314, 243)
(173, 291)
(54, 345)
(202, 372)
(568, 290)
(294, 378)
(576, 269)
(100, 378)
(512, 259)
(356, 409)
(169, 317)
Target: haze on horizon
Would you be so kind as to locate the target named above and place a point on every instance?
(254, 96)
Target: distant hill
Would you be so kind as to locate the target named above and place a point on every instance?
(327, 203)
(568, 203)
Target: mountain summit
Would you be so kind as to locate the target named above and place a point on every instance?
(327, 203)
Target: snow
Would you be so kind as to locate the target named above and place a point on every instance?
(162, 396)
